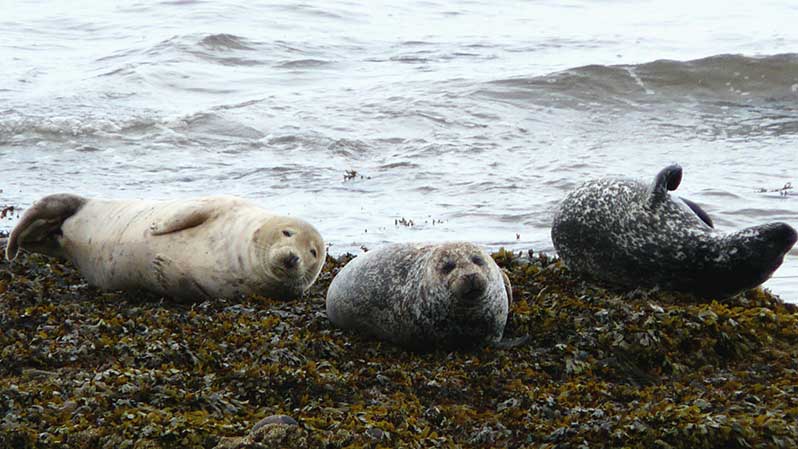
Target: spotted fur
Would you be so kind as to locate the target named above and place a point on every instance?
(422, 295)
(632, 234)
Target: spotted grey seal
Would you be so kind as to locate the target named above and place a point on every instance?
(219, 246)
(422, 295)
(633, 234)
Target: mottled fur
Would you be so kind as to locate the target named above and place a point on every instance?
(634, 234)
(422, 295)
(200, 248)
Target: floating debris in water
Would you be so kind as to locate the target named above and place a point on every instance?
(352, 174)
(785, 190)
(404, 222)
(86, 368)
(6, 211)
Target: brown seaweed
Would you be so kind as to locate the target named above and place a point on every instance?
(81, 367)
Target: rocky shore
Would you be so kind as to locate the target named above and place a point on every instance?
(84, 368)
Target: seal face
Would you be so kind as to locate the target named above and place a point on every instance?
(631, 234)
(422, 295)
(200, 248)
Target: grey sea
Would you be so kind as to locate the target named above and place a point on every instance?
(398, 121)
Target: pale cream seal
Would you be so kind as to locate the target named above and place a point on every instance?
(218, 246)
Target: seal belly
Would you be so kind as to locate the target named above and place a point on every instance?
(98, 241)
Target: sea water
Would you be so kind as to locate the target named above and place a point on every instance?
(401, 121)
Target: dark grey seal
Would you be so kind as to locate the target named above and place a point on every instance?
(633, 234)
(423, 295)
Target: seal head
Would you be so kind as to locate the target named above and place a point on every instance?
(289, 254)
(631, 234)
(456, 286)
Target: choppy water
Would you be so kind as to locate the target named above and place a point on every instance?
(480, 114)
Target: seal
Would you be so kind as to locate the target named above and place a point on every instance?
(422, 295)
(634, 234)
(201, 248)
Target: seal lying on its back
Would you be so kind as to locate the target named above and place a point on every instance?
(421, 295)
(201, 248)
(631, 234)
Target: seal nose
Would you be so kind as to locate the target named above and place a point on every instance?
(787, 235)
(291, 261)
(776, 240)
(779, 238)
(473, 286)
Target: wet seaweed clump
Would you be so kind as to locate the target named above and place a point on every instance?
(81, 368)
(7, 212)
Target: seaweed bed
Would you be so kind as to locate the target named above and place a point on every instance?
(85, 368)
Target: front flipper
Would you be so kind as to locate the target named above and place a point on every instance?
(508, 288)
(40, 225)
(510, 343)
(175, 282)
(702, 214)
(667, 179)
(184, 217)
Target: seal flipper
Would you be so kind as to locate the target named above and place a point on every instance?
(667, 179)
(510, 343)
(40, 225)
(702, 214)
(185, 218)
(508, 288)
(173, 281)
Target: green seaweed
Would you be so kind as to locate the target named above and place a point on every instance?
(81, 367)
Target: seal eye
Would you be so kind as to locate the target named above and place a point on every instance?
(313, 253)
(287, 233)
(448, 266)
(478, 261)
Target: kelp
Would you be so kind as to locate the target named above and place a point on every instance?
(81, 367)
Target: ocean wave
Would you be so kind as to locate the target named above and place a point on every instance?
(722, 80)
(401, 165)
(17, 126)
(223, 49)
(214, 125)
(303, 64)
(224, 42)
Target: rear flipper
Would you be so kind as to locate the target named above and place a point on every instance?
(40, 226)
(667, 179)
(701, 213)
